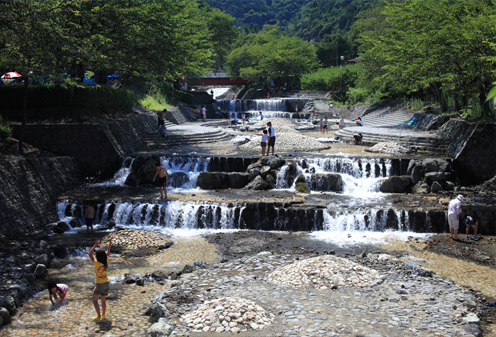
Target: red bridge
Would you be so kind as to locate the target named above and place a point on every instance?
(226, 81)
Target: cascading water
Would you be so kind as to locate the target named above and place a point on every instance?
(255, 105)
(120, 177)
(184, 171)
(347, 175)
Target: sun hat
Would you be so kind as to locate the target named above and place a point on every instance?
(460, 197)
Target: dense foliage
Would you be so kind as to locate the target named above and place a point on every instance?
(271, 53)
(5, 132)
(332, 78)
(444, 47)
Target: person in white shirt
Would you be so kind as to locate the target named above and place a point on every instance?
(359, 121)
(263, 142)
(272, 138)
(454, 207)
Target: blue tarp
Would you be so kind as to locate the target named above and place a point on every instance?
(89, 81)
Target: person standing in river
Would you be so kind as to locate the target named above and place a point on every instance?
(163, 179)
(454, 207)
(272, 137)
(89, 217)
(102, 281)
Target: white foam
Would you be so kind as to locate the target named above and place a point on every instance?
(355, 238)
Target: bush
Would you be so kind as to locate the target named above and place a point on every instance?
(5, 132)
(172, 94)
(356, 95)
(332, 78)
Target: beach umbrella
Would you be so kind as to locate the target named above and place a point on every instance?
(11, 75)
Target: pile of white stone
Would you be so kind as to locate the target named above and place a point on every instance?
(325, 272)
(228, 314)
(287, 138)
(388, 147)
(132, 239)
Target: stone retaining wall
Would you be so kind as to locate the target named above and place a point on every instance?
(29, 188)
(96, 147)
(472, 146)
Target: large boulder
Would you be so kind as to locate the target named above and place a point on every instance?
(157, 309)
(436, 187)
(411, 165)
(237, 179)
(75, 223)
(42, 259)
(301, 185)
(5, 315)
(257, 184)
(430, 165)
(326, 182)
(396, 184)
(8, 302)
(40, 271)
(435, 176)
(421, 187)
(139, 161)
(271, 181)
(273, 161)
(257, 165)
(449, 186)
(148, 167)
(133, 179)
(264, 171)
(417, 173)
(254, 173)
(212, 180)
(61, 227)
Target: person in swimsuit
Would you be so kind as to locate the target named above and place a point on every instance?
(163, 179)
(89, 217)
(55, 289)
(161, 117)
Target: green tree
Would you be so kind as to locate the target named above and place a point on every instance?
(442, 45)
(271, 53)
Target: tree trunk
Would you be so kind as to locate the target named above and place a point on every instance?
(24, 115)
(438, 93)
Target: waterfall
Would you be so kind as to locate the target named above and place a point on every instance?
(120, 177)
(361, 220)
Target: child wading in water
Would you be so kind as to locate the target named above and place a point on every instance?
(102, 281)
(263, 142)
(55, 289)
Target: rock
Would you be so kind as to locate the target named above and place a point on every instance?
(61, 227)
(237, 179)
(326, 182)
(212, 180)
(140, 281)
(301, 185)
(471, 318)
(271, 181)
(1, 321)
(28, 277)
(396, 184)
(273, 161)
(420, 187)
(417, 174)
(59, 251)
(4, 313)
(160, 329)
(173, 276)
(449, 186)
(111, 224)
(40, 271)
(430, 165)
(412, 265)
(411, 165)
(75, 223)
(8, 302)
(43, 244)
(159, 275)
(157, 309)
(187, 269)
(435, 176)
(139, 161)
(133, 179)
(129, 279)
(24, 288)
(473, 329)
(42, 259)
(436, 187)
(257, 165)
(264, 171)
(148, 167)
(257, 184)
(253, 173)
